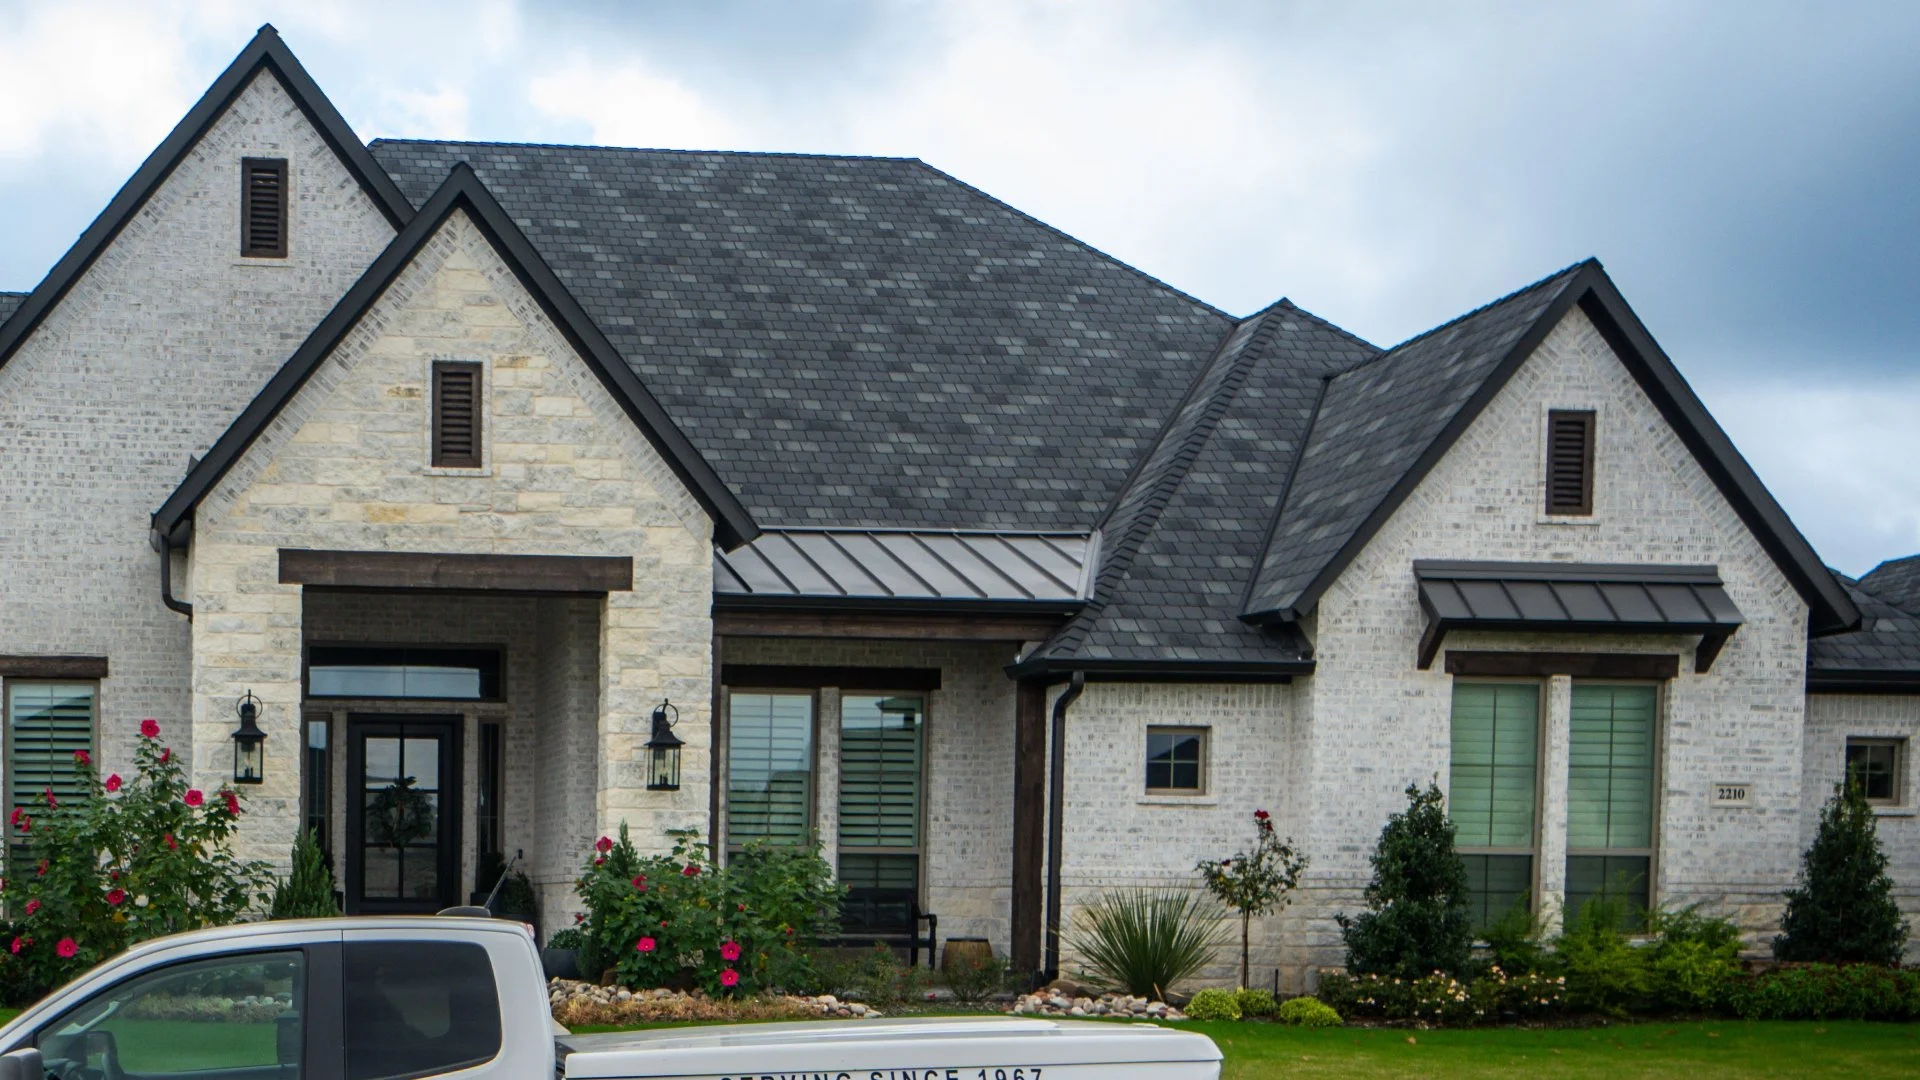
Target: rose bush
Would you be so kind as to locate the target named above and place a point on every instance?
(137, 858)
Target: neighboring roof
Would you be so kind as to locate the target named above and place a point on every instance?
(1385, 424)
(878, 569)
(9, 301)
(1187, 530)
(1592, 598)
(856, 341)
(1883, 656)
(462, 190)
(1896, 581)
(267, 51)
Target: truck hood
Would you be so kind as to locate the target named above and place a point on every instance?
(932, 1048)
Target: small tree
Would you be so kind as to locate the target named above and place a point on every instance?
(1416, 922)
(306, 893)
(1254, 882)
(1842, 910)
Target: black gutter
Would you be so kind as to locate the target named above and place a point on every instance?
(1056, 807)
(1058, 670)
(165, 547)
(891, 605)
(1832, 681)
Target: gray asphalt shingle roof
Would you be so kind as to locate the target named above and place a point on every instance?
(855, 341)
(9, 301)
(1887, 643)
(1896, 580)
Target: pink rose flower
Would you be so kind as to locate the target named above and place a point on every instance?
(645, 944)
(81, 757)
(150, 728)
(691, 871)
(116, 896)
(33, 906)
(603, 845)
(166, 754)
(67, 948)
(194, 797)
(729, 951)
(113, 783)
(17, 945)
(51, 801)
(233, 803)
(172, 844)
(729, 977)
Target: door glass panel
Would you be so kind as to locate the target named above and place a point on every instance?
(382, 873)
(423, 763)
(237, 1017)
(402, 824)
(383, 761)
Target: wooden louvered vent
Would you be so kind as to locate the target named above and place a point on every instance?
(1570, 463)
(263, 208)
(456, 415)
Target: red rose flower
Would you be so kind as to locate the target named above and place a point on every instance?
(233, 803)
(599, 860)
(67, 948)
(193, 797)
(51, 801)
(172, 845)
(81, 757)
(16, 946)
(742, 907)
(690, 871)
(645, 944)
(729, 951)
(116, 896)
(150, 728)
(166, 754)
(579, 917)
(33, 906)
(42, 868)
(1260, 815)
(17, 814)
(113, 783)
(603, 845)
(663, 924)
(729, 977)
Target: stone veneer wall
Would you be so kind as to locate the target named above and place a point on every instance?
(345, 466)
(562, 765)
(146, 360)
(967, 829)
(1831, 720)
(1379, 724)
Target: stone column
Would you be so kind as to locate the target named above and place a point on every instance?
(826, 775)
(1553, 800)
(246, 636)
(643, 661)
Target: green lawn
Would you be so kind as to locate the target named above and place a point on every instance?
(7, 1015)
(1689, 1051)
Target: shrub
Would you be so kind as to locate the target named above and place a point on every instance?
(1604, 972)
(1308, 1012)
(878, 977)
(1842, 909)
(1694, 959)
(134, 859)
(1828, 991)
(974, 979)
(1254, 882)
(1516, 943)
(1256, 1002)
(1214, 1005)
(1145, 941)
(678, 920)
(1417, 921)
(570, 938)
(306, 893)
(1499, 995)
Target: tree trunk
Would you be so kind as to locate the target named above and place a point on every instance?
(1246, 922)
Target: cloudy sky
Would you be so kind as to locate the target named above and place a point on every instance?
(1748, 171)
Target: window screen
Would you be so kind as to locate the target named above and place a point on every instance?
(769, 767)
(1491, 792)
(1610, 777)
(1176, 759)
(417, 1008)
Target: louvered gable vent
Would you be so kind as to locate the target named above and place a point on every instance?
(263, 208)
(1570, 462)
(456, 415)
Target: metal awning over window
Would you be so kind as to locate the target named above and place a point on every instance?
(879, 568)
(1576, 598)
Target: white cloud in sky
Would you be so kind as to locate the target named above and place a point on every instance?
(629, 104)
(101, 81)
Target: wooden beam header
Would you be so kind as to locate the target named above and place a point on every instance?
(53, 667)
(469, 573)
(1594, 665)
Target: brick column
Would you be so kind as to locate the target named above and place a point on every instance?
(1553, 800)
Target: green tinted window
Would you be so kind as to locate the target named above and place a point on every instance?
(880, 745)
(1495, 763)
(1610, 767)
(769, 767)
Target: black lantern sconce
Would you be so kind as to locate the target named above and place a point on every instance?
(663, 750)
(249, 743)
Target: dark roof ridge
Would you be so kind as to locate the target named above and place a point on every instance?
(1335, 327)
(1070, 238)
(640, 149)
(463, 190)
(1563, 271)
(265, 50)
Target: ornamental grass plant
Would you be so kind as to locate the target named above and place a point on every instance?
(1146, 942)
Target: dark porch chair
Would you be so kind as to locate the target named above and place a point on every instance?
(891, 917)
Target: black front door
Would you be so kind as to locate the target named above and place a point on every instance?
(403, 813)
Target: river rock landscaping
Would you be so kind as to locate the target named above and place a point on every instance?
(1116, 1005)
(578, 1003)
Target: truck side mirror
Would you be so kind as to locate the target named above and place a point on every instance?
(22, 1064)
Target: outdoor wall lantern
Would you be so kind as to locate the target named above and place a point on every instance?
(663, 750)
(249, 743)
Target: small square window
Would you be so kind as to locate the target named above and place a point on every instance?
(1879, 767)
(1176, 760)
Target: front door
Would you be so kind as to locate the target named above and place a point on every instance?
(403, 813)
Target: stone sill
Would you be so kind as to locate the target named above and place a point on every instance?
(442, 470)
(1895, 811)
(1179, 800)
(1587, 522)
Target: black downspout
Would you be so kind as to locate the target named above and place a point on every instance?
(1056, 807)
(165, 548)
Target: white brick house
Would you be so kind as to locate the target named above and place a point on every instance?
(1007, 572)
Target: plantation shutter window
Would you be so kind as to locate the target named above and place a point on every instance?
(1570, 463)
(456, 415)
(1610, 787)
(769, 768)
(47, 723)
(263, 208)
(1492, 792)
(881, 748)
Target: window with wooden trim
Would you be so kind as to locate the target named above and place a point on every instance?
(769, 768)
(1570, 462)
(1612, 771)
(1879, 768)
(881, 757)
(47, 724)
(456, 415)
(263, 208)
(1176, 760)
(1493, 793)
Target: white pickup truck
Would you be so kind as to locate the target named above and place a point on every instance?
(407, 998)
